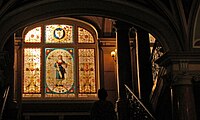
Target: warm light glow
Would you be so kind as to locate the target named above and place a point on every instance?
(113, 54)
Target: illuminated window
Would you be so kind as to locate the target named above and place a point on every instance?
(84, 36)
(33, 36)
(56, 63)
(86, 72)
(32, 60)
(59, 72)
(58, 34)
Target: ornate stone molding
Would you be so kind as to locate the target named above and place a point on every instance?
(196, 77)
(174, 57)
(180, 61)
(182, 79)
(184, 68)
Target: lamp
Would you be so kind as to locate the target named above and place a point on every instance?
(114, 54)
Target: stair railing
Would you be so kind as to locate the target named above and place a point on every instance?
(137, 109)
(5, 96)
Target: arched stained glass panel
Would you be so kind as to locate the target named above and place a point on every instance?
(33, 36)
(32, 62)
(86, 71)
(84, 36)
(59, 72)
(59, 61)
(59, 34)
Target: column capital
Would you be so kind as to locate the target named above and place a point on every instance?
(183, 78)
(180, 61)
(120, 25)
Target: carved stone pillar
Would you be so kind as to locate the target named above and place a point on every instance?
(145, 66)
(183, 97)
(124, 73)
(196, 85)
(17, 69)
(182, 67)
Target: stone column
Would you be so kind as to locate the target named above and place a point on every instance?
(182, 67)
(101, 64)
(134, 63)
(145, 76)
(124, 73)
(183, 97)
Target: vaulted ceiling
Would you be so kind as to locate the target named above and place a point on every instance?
(178, 16)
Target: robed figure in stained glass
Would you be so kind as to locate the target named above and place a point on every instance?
(60, 66)
(59, 72)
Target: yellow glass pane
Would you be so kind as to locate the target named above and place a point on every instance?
(58, 34)
(87, 82)
(33, 36)
(84, 36)
(152, 39)
(32, 71)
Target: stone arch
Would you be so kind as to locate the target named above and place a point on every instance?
(196, 30)
(132, 13)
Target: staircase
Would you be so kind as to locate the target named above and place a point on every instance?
(56, 110)
(137, 109)
(66, 110)
(9, 110)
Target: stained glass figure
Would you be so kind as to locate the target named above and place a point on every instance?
(32, 71)
(59, 71)
(59, 34)
(84, 36)
(86, 71)
(33, 36)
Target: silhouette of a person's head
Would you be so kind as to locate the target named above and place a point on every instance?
(102, 94)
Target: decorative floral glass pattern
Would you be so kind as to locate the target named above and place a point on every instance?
(84, 36)
(58, 65)
(86, 71)
(59, 71)
(59, 34)
(33, 36)
(32, 71)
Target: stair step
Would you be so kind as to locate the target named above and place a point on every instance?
(57, 116)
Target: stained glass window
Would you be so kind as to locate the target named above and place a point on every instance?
(59, 65)
(84, 36)
(59, 72)
(32, 61)
(86, 71)
(58, 34)
(33, 36)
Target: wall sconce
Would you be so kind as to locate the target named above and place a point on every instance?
(114, 54)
